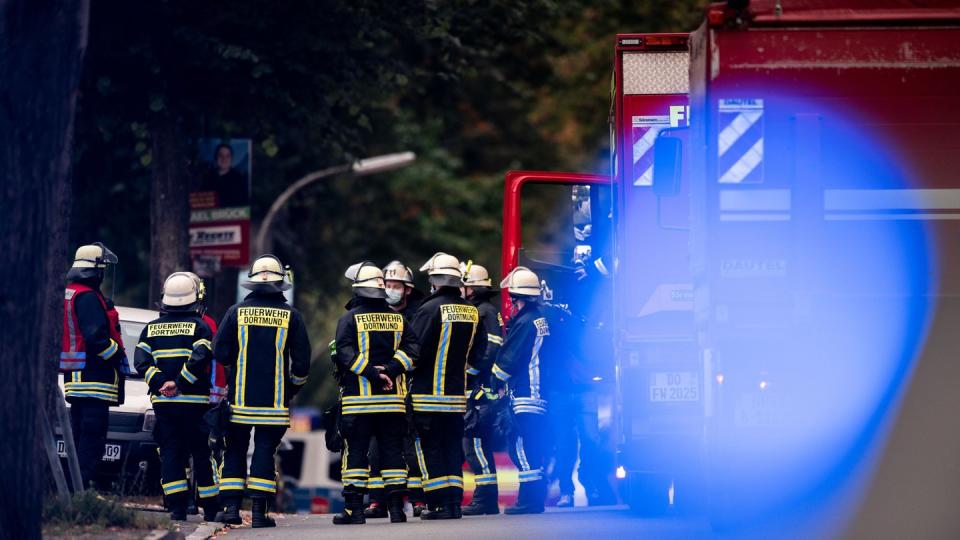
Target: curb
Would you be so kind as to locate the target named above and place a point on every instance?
(205, 531)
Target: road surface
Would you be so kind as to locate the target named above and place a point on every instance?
(606, 523)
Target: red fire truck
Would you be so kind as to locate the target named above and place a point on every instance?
(771, 277)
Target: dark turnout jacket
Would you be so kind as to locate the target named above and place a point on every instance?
(518, 362)
(176, 347)
(450, 338)
(264, 343)
(492, 323)
(370, 334)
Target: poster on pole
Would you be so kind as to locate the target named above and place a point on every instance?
(220, 206)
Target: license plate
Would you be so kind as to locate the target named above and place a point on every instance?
(111, 452)
(674, 386)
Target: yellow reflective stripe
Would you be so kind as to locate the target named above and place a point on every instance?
(297, 380)
(151, 373)
(146, 348)
(404, 359)
(171, 353)
(500, 373)
(495, 339)
(109, 351)
(203, 343)
(185, 373)
(440, 361)
(280, 342)
(241, 378)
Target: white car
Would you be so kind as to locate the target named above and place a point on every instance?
(130, 455)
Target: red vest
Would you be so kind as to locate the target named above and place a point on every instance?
(218, 375)
(73, 351)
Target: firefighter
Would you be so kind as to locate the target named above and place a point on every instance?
(517, 369)
(405, 298)
(479, 448)
(92, 358)
(218, 377)
(449, 334)
(374, 347)
(263, 342)
(175, 355)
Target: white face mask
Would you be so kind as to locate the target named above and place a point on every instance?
(394, 297)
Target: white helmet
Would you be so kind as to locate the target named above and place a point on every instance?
(201, 287)
(267, 273)
(180, 290)
(521, 281)
(443, 270)
(396, 271)
(90, 260)
(475, 275)
(367, 279)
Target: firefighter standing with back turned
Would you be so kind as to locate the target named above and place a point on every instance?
(518, 368)
(374, 348)
(175, 355)
(479, 446)
(92, 358)
(264, 343)
(448, 332)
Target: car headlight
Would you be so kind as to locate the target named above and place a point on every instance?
(149, 420)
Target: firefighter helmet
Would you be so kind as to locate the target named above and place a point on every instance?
(201, 287)
(521, 281)
(443, 270)
(397, 271)
(367, 280)
(90, 260)
(475, 275)
(267, 274)
(180, 290)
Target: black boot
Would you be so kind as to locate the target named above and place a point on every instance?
(455, 511)
(530, 499)
(352, 513)
(231, 514)
(260, 517)
(484, 502)
(438, 512)
(396, 508)
(211, 510)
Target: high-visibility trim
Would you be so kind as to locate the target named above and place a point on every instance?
(421, 460)
(499, 373)
(404, 360)
(473, 371)
(375, 483)
(355, 473)
(241, 376)
(433, 398)
(388, 408)
(185, 373)
(489, 479)
(182, 398)
(497, 340)
(151, 373)
(203, 343)
(260, 484)
(522, 455)
(394, 473)
(260, 410)
(355, 482)
(177, 486)
(478, 450)
(531, 475)
(267, 418)
(527, 404)
(281, 343)
(145, 347)
(91, 386)
(299, 381)
(534, 367)
(421, 403)
(109, 351)
(415, 482)
(440, 363)
(371, 400)
(208, 491)
(171, 353)
(91, 394)
(396, 481)
(228, 484)
(443, 482)
(529, 410)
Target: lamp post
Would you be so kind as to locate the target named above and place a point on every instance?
(363, 167)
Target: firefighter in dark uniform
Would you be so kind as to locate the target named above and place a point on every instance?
(449, 334)
(92, 358)
(517, 369)
(263, 342)
(479, 449)
(175, 356)
(375, 347)
(403, 298)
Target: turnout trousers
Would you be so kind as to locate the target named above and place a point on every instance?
(527, 452)
(89, 419)
(262, 479)
(357, 431)
(479, 452)
(182, 435)
(440, 454)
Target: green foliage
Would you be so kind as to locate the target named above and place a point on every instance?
(87, 508)
(474, 88)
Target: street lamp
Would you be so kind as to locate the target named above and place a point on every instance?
(363, 167)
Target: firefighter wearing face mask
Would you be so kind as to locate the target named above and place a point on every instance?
(479, 445)
(517, 370)
(263, 342)
(92, 358)
(451, 338)
(175, 355)
(374, 348)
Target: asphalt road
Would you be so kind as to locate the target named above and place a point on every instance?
(607, 523)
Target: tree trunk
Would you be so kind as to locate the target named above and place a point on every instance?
(42, 43)
(169, 206)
